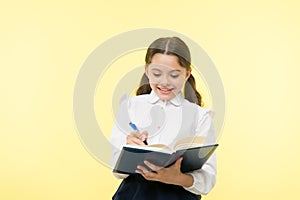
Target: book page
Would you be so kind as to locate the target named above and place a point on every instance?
(185, 143)
(154, 147)
(189, 142)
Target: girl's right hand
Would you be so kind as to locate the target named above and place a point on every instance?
(137, 138)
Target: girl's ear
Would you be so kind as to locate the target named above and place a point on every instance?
(188, 74)
(146, 70)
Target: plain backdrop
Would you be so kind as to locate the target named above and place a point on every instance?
(255, 46)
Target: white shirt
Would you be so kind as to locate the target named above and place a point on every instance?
(166, 122)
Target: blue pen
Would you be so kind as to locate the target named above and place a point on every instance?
(133, 126)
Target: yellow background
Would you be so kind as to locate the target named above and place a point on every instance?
(254, 44)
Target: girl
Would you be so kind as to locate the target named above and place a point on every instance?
(167, 72)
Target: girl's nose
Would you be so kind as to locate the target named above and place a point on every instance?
(164, 81)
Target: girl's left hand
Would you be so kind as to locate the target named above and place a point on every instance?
(169, 175)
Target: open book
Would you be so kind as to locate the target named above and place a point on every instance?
(194, 154)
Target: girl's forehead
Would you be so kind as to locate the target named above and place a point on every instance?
(166, 60)
(165, 68)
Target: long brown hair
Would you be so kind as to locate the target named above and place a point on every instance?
(172, 46)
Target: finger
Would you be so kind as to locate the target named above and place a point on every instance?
(178, 162)
(145, 172)
(137, 141)
(142, 168)
(149, 175)
(134, 141)
(144, 135)
(135, 134)
(139, 171)
(152, 166)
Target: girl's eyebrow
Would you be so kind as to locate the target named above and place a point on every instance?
(153, 68)
(174, 70)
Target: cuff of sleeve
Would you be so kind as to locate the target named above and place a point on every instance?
(193, 185)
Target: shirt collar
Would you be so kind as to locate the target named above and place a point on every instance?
(176, 101)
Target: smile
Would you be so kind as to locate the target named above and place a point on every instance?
(165, 90)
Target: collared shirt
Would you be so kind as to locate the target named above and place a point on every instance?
(166, 122)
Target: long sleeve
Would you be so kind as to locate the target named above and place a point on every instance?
(205, 178)
(139, 110)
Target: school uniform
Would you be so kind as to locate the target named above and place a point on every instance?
(166, 122)
(135, 187)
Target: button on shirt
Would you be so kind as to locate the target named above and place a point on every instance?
(166, 122)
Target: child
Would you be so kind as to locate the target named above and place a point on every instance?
(167, 72)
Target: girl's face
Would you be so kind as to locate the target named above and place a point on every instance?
(166, 76)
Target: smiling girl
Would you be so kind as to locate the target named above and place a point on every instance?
(167, 73)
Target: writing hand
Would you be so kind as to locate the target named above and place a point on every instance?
(136, 138)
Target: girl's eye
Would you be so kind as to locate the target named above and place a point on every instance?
(174, 75)
(156, 75)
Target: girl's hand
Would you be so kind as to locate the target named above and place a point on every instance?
(169, 175)
(136, 138)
